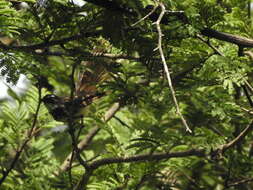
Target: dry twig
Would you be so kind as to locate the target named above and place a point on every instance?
(142, 19)
(166, 69)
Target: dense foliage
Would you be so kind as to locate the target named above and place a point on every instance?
(134, 137)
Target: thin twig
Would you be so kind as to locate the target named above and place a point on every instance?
(121, 122)
(247, 95)
(72, 131)
(166, 67)
(247, 110)
(240, 182)
(236, 140)
(87, 140)
(83, 144)
(77, 151)
(70, 171)
(142, 19)
(249, 86)
(210, 45)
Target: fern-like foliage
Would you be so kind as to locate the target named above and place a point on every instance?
(8, 18)
(36, 161)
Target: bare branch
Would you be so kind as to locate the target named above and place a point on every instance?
(147, 157)
(166, 69)
(142, 19)
(236, 140)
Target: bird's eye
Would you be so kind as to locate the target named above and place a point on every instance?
(50, 98)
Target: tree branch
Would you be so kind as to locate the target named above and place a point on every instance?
(89, 137)
(240, 182)
(235, 141)
(249, 53)
(247, 95)
(146, 16)
(210, 45)
(28, 48)
(137, 158)
(166, 69)
(147, 157)
(235, 39)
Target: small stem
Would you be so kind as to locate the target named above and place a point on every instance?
(142, 19)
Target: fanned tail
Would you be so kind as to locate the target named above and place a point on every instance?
(94, 74)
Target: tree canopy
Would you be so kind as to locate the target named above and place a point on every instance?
(165, 86)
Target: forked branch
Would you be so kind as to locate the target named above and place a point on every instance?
(166, 69)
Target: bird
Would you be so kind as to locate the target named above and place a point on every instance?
(64, 109)
(67, 109)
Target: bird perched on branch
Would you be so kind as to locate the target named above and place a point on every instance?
(66, 108)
